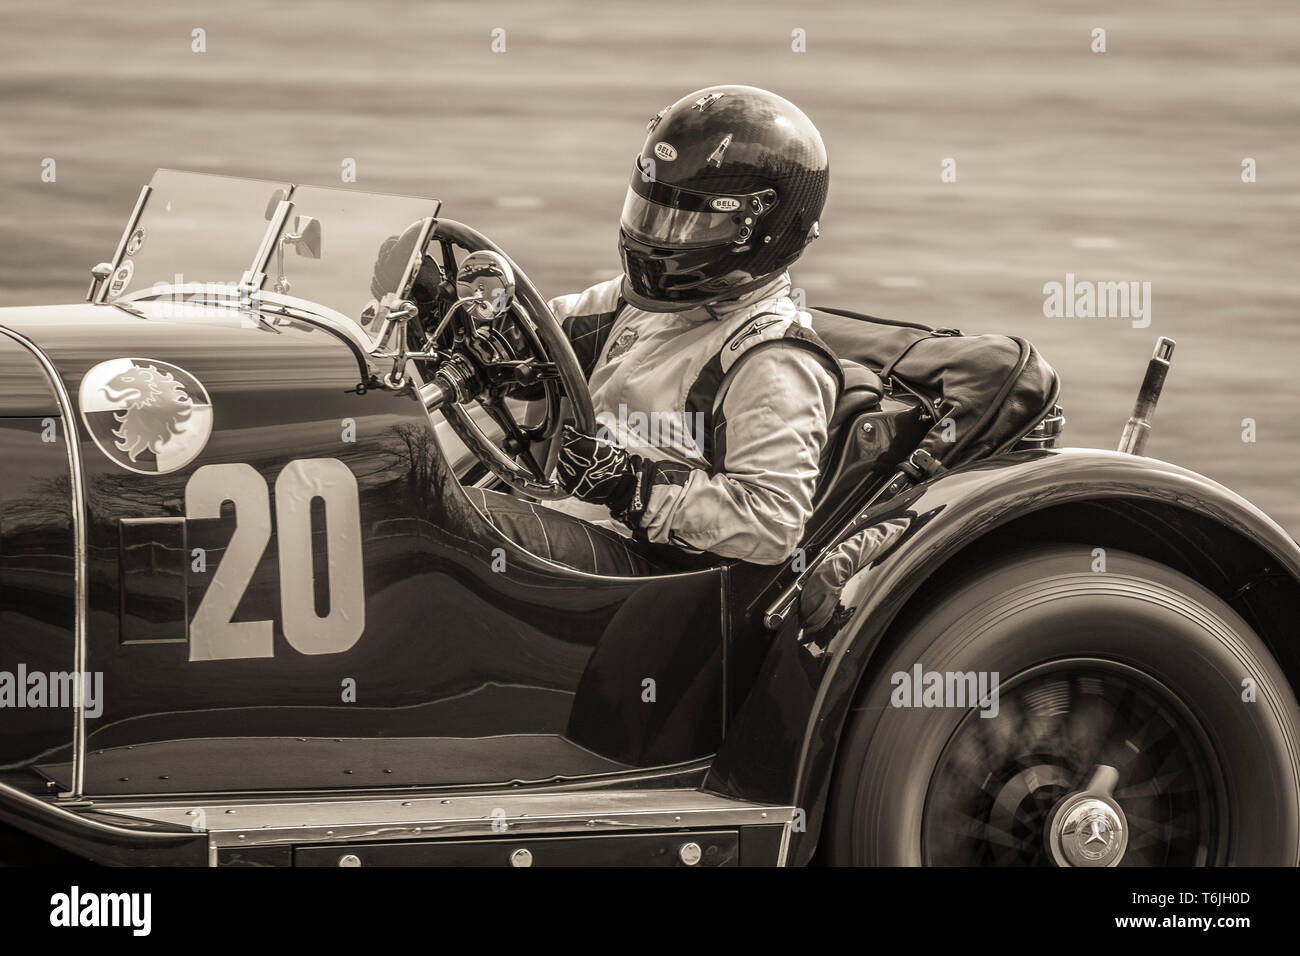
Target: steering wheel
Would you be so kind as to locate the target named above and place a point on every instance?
(499, 337)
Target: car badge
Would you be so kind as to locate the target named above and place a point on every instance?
(147, 416)
(1093, 839)
(665, 151)
(715, 158)
(622, 344)
(121, 278)
(135, 242)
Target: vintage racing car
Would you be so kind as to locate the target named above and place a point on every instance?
(249, 614)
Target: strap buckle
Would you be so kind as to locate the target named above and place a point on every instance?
(921, 465)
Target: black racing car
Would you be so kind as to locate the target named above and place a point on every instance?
(250, 615)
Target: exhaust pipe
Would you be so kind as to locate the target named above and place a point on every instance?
(1138, 429)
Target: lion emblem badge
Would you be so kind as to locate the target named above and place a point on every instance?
(148, 416)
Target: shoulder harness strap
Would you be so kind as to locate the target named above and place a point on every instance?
(710, 386)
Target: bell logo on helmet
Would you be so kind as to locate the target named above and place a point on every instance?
(665, 151)
(724, 204)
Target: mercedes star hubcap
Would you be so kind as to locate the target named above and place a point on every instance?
(1088, 828)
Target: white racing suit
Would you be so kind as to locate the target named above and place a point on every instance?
(738, 451)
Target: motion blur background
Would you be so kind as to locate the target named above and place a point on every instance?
(1117, 166)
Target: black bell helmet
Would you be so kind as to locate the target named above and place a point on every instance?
(726, 192)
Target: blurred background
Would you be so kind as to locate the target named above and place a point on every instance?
(1115, 166)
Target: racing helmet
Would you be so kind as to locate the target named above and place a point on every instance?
(726, 191)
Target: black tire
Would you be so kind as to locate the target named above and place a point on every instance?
(1136, 666)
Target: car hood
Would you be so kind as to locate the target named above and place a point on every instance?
(220, 346)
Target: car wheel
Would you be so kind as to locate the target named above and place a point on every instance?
(1137, 721)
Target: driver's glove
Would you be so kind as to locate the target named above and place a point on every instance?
(602, 473)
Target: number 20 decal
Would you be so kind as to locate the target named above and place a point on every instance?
(213, 635)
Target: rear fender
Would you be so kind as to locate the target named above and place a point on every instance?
(782, 745)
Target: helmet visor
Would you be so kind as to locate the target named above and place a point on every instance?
(674, 227)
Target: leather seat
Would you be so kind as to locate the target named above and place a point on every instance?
(862, 386)
(862, 389)
(862, 393)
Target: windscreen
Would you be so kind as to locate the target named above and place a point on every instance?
(354, 227)
(195, 229)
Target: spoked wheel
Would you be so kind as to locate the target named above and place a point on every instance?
(1127, 717)
(1087, 763)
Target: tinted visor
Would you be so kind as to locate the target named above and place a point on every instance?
(661, 225)
(660, 214)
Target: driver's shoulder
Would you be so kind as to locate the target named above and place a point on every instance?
(600, 300)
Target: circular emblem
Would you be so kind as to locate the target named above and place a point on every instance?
(1089, 831)
(121, 278)
(665, 151)
(135, 242)
(1095, 836)
(148, 416)
(724, 204)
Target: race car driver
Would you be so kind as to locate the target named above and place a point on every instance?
(711, 388)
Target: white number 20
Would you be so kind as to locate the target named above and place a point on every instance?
(213, 635)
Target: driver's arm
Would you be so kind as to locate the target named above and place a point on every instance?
(756, 504)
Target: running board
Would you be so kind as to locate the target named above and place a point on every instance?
(682, 827)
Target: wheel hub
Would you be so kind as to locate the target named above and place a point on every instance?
(1088, 828)
(1042, 783)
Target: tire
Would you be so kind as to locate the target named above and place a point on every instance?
(1136, 667)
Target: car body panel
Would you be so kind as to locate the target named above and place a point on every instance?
(37, 565)
(452, 649)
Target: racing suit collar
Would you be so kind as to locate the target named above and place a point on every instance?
(753, 301)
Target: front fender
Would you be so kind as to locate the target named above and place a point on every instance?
(782, 745)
